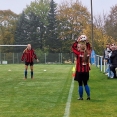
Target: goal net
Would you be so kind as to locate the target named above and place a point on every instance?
(11, 53)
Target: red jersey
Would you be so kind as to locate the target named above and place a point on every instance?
(80, 67)
(28, 55)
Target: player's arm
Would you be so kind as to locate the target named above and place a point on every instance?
(23, 56)
(35, 56)
(88, 46)
(74, 48)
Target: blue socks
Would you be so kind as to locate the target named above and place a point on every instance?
(81, 91)
(25, 72)
(87, 89)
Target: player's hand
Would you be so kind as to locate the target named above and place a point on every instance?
(37, 60)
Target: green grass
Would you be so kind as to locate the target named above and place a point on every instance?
(103, 101)
(47, 94)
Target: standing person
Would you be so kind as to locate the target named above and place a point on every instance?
(28, 56)
(82, 50)
(113, 59)
(116, 67)
(110, 73)
(106, 57)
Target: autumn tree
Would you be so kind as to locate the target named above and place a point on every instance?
(8, 21)
(111, 23)
(100, 36)
(73, 18)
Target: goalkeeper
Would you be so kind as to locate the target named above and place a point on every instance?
(28, 56)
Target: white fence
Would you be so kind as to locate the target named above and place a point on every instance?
(100, 63)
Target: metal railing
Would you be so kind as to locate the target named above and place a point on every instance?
(45, 58)
(50, 58)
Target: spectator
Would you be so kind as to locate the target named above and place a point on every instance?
(110, 74)
(113, 59)
(106, 57)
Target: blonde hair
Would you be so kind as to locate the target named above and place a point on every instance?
(86, 58)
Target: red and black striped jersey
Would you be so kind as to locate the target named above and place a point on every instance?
(80, 67)
(28, 55)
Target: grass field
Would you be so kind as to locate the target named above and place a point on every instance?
(47, 94)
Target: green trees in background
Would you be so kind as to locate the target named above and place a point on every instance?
(53, 42)
(31, 27)
(28, 30)
(53, 28)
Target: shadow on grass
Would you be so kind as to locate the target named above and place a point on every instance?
(97, 100)
(111, 78)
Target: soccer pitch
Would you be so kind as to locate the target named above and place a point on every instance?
(44, 96)
(48, 93)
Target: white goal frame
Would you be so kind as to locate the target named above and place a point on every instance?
(12, 45)
(9, 46)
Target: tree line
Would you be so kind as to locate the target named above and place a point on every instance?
(53, 28)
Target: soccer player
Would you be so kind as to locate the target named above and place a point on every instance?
(28, 56)
(82, 50)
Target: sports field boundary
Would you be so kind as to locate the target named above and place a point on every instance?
(67, 108)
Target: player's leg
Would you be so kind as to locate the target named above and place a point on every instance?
(26, 68)
(31, 69)
(85, 80)
(80, 90)
(78, 77)
(80, 87)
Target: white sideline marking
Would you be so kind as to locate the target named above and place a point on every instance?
(67, 108)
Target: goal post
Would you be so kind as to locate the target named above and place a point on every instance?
(12, 45)
(11, 54)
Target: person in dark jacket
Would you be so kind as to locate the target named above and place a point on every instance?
(113, 59)
(82, 50)
(28, 56)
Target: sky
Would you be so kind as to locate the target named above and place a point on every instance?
(99, 6)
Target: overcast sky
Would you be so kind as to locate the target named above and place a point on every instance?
(99, 6)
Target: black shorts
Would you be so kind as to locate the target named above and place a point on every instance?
(29, 63)
(81, 76)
